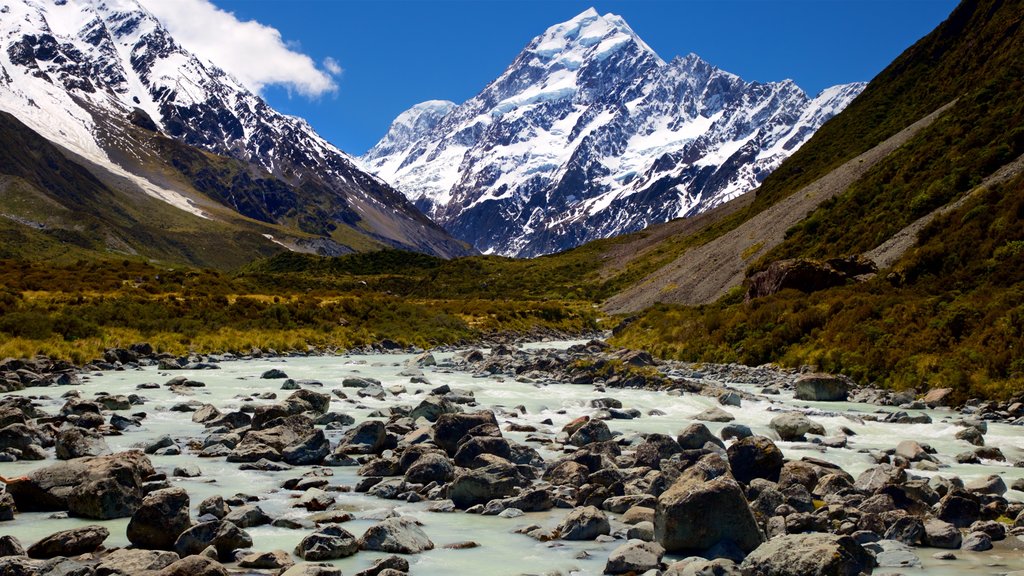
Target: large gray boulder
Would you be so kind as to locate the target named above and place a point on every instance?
(69, 542)
(584, 523)
(329, 542)
(161, 518)
(195, 565)
(101, 487)
(791, 426)
(809, 555)
(222, 535)
(696, 436)
(308, 451)
(397, 536)
(482, 485)
(129, 562)
(367, 437)
(78, 442)
(634, 557)
(704, 507)
(432, 407)
(821, 388)
(430, 467)
(270, 442)
(450, 428)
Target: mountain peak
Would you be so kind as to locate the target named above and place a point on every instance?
(588, 134)
(588, 34)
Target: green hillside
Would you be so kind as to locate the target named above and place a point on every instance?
(948, 312)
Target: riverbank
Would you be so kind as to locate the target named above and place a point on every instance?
(504, 433)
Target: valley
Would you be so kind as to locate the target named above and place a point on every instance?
(611, 314)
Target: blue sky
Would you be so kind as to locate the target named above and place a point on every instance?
(394, 54)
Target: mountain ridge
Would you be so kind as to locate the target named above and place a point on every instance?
(589, 133)
(88, 75)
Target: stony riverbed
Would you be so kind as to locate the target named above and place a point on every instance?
(492, 462)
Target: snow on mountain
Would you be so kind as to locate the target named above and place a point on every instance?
(589, 134)
(78, 71)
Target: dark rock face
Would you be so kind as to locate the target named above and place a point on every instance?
(806, 554)
(707, 491)
(101, 487)
(161, 518)
(807, 275)
(69, 542)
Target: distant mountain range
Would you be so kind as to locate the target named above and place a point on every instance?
(589, 134)
(108, 85)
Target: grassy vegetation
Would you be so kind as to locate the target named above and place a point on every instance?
(74, 312)
(951, 314)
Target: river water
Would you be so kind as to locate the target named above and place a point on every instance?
(500, 550)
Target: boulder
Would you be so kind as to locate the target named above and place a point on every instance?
(821, 388)
(329, 542)
(482, 485)
(273, 560)
(755, 457)
(706, 491)
(809, 554)
(396, 535)
(273, 374)
(584, 523)
(129, 562)
(791, 426)
(101, 487)
(8, 508)
(69, 542)
(161, 518)
(695, 436)
(939, 534)
(432, 407)
(805, 275)
(991, 484)
(247, 517)
(194, 566)
(396, 563)
(634, 557)
(310, 450)
(309, 569)
(591, 432)
(450, 428)
(78, 442)
(10, 546)
(430, 467)
(225, 537)
(937, 397)
(367, 437)
(714, 414)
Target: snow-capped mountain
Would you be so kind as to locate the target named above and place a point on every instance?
(589, 134)
(87, 74)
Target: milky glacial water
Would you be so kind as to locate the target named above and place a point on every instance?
(500, 551)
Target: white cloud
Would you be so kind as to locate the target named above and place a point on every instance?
(332, 66)
(253, 53)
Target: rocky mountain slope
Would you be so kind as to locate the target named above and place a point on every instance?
(589, 134)
(105, 80)
(924, 175)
